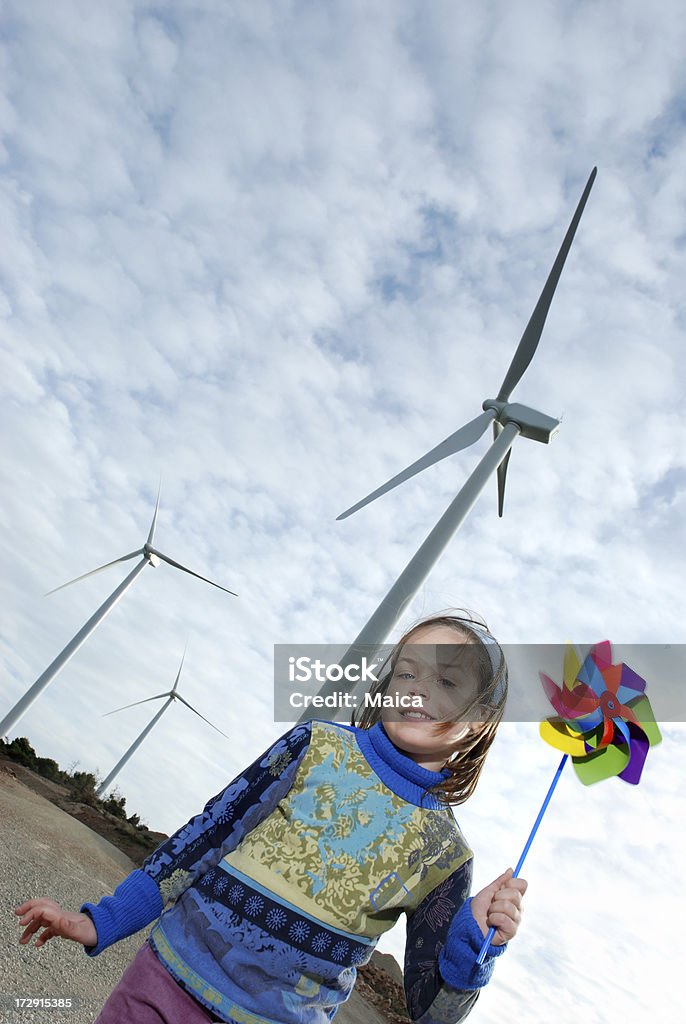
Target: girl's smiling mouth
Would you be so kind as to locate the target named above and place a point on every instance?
(418, 716)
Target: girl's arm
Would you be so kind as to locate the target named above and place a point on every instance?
(200, 844)
(442, 978)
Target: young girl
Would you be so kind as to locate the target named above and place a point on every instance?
(284, 883)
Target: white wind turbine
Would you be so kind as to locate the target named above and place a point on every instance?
(509, 420)
(172, 695)
(150, 556)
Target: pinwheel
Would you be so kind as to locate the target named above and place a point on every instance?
(604, 722)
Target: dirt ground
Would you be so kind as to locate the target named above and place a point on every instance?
(47, 852)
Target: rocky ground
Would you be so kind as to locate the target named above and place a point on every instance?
(71, 852)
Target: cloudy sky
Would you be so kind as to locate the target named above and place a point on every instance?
(272, 252)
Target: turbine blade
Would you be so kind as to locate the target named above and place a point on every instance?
(154, 516)
(124, 558)
(136, 703)
(533, 330)
(176, 695)
(178, 674)
(502, 470)
(462, 438)
(177, 565)
(502, 475)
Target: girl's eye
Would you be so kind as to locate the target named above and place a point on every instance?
(405, 675)
(447, 683)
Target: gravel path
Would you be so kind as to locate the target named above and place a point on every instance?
(46, 852)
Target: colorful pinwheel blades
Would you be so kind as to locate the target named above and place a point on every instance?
(604, 719)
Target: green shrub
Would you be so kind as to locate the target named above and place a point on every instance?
(115, 806)
(49, 769)
(21, 750)
(82, 785)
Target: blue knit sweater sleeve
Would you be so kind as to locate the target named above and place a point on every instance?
(442, 978)
(200, 844)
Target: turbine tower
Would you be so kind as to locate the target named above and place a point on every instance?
(150, 556)
(509, 420)
(172, 695)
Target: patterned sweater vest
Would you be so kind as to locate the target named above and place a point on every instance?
(274, 931)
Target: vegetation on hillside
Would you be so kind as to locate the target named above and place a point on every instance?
(83, 785)
(81, 800)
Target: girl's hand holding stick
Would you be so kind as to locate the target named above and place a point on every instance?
(499, 906)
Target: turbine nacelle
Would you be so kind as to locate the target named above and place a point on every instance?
(534, 425)
(152, 557)
(171, 696)
(499, 412)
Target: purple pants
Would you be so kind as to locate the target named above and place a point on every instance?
(147, 994)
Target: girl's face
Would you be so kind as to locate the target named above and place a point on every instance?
(436, 665)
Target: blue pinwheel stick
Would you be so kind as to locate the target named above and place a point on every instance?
(604, 721)
(487, 941)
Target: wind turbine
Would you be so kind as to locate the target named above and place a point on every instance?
(172, 695)
(509, 420)
(150, 556)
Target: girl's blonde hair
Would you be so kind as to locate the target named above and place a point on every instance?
(466, 763)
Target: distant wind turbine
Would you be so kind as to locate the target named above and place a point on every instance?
(508, 419)
(172, 695)
(151, 556)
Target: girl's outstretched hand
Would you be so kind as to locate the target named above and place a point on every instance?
(46, 914)
(499, 906)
